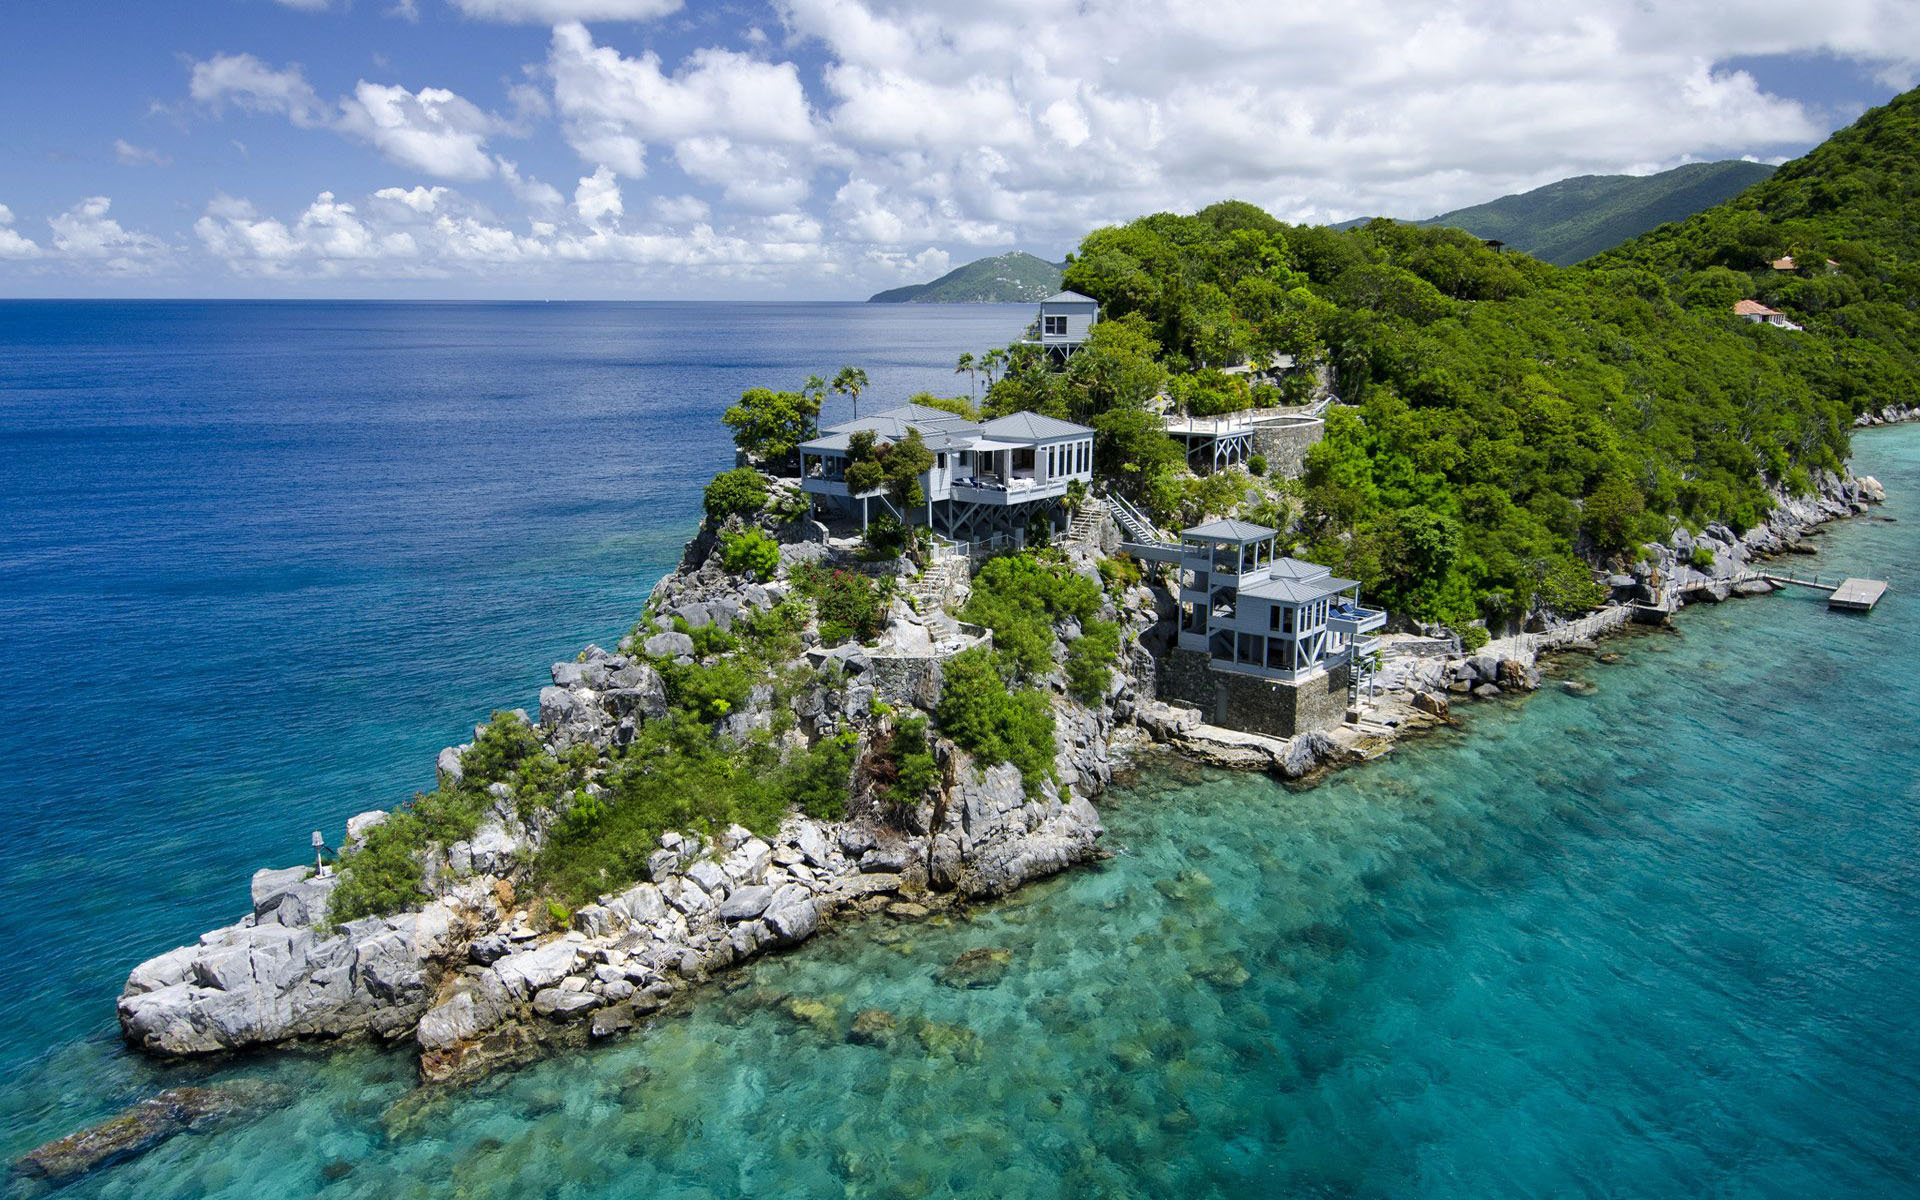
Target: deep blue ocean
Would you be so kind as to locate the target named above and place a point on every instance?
(260, 561)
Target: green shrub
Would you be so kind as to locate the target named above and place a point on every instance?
(675, 775)
(1119, 574)
(850, 605)
(707, 692)
(1472, 637)
(816, 782)
(740, 492)
(978, 712)
(708, 639)
(1019, 597)
(916, 773)
(750, 552)
(1090, 660)
(1701, 559)
(1257, 465)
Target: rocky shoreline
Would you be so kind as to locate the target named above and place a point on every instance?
(475, 980)
(478, 978)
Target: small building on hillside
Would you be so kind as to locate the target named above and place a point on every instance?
(1066, 318)
(1266, 643)
(1784, 263)
(990, 480)
(1760, 314)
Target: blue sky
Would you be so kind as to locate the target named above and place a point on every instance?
(828, 148)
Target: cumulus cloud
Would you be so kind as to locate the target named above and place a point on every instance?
(432, 130)
(554, 12)
(598, 197)
(12, 243)
(410, 233)
(613, 106)
(419, 199)
(252, 86)
(85, 231)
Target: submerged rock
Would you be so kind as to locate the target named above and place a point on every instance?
(136, 1130)
(980, 967)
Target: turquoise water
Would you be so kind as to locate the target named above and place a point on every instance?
(1663, 940)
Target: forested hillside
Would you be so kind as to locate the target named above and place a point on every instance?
(1003, 279)
(1510, 423)
(1577, 218)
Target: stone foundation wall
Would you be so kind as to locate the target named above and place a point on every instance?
(1255, 705)
(1285, 446)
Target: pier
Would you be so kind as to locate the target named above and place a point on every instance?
(1844, 595)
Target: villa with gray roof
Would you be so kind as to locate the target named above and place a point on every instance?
(989, 479)
(1066, 318)
(1265, 643)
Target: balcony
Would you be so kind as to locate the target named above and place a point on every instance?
(1350, 620)
(1019, 489)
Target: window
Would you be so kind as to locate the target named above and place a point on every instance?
(943, 460)
(1053, 326)
(1273, 617)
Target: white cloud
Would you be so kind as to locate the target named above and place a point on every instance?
(138, 156)
(419, 199)
(432, 130)
(328, 233)
(554, 12)
(85, 231)
(598, 197)
(12, 244)
(613, 106)
(681, 210)
(252, 86)
(538, 197)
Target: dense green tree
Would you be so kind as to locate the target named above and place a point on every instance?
(768, 425)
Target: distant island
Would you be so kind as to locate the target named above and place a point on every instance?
(1566, 222)
(1013, 278)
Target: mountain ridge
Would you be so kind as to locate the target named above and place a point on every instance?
(1574, 219)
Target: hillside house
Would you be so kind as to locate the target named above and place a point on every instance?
(1066, 318)
(990, 480)
(1760, 314)
(1266, 643)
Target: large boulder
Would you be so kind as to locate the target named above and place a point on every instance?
(792, 915)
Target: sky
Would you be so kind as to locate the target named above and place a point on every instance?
(824, 149)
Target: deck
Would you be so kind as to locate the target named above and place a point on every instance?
(1857, 595)
(1845, 595)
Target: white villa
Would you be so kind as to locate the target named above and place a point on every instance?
(1277, 618)
(1066, 318)
(1760, 314)
(989, 479)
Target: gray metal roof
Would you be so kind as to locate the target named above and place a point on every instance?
(1029, 425)
(1229, 531)
(1289, 567)
(1069, 298)
(938, 427)
(1297, 591)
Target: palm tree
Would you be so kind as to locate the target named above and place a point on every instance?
(995, 360)
(966, 366)
(850, 382)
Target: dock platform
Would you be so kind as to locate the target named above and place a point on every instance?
(1848, 595)
(1857, 595)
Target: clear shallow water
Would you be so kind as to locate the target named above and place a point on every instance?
(1659, 941)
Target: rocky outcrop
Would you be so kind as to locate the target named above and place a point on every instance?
(136, 1130)
(475, 979)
